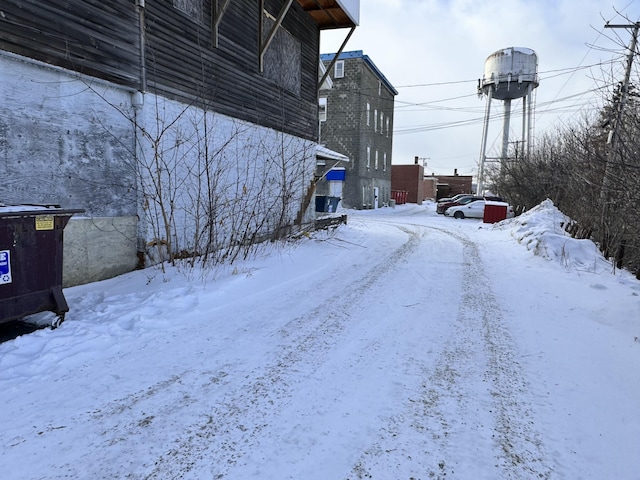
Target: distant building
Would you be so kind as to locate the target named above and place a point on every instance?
(409, 178)
(419, 186)
(450, 185)
(357, 121)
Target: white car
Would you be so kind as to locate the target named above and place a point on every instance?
(475, 209)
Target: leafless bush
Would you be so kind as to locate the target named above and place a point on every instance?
(591, 179)
(215, 188)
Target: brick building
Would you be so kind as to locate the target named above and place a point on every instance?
(410, 179)
(419, 187)
(450, 185)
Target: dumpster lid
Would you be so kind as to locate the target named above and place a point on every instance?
(30, 209)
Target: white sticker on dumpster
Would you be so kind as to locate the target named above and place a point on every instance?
(5, 267)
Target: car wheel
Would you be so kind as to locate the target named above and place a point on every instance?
(458, 214)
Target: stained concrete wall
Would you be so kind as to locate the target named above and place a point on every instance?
(67, 140)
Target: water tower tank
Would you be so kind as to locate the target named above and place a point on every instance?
(511, 72)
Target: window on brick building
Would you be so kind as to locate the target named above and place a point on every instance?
(339, 69)
(322, 109)
(368, 157)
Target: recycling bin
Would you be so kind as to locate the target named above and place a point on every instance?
(31, 260)
(333, 204)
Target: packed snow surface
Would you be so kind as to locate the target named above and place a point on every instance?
(403, 345)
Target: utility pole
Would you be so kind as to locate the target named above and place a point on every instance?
(627, 75)
(614, 132)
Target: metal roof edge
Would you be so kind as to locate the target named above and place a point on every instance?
(327, 154)
(365, 58)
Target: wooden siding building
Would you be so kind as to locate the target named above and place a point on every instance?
(93, 89)
(189, 50)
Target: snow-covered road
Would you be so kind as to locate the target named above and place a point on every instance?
(404, 346)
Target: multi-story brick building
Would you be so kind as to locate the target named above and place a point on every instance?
(357, 121)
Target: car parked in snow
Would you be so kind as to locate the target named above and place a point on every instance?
(454, 198)
(442, 206)
(474, 209)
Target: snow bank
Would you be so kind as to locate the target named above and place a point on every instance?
(542, 231)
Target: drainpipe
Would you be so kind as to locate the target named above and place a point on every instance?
(137, 102)
(140, 4)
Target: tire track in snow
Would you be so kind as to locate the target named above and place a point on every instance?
(228, 429)
(521, 453)
(478, 355)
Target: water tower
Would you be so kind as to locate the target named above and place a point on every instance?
(508, 73)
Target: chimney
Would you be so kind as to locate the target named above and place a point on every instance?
(455, 172)
(416, 160)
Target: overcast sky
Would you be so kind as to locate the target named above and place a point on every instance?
(434, 51)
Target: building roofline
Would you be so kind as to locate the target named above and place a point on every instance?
(328, 154)
(327, 57)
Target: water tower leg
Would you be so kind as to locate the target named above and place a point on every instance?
(525, 124)
(483, 146)
(505, 130)
(529, 117)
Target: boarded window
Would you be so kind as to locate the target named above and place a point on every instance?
(193, 8)
(283, 58)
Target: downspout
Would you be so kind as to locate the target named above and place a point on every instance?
(140, 4)
(137, 102)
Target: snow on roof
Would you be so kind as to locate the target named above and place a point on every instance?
(34, 209)
(326, 154)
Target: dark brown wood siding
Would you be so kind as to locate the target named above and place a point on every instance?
(102, 39)
(93, 37)
(182, 63)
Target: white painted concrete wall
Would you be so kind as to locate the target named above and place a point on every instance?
(213, 167)
(80, 143)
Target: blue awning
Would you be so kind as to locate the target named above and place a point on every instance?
(338, 174)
